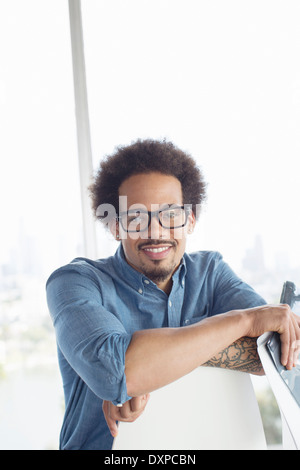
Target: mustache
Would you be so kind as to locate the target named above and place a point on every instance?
(157, 243)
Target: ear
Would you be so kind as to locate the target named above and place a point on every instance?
(191, 222)
(114, 229)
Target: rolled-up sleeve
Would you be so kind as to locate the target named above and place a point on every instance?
(92, 339)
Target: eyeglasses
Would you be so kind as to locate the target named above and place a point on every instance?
(138, 220)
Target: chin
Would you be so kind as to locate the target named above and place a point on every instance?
(159, 273)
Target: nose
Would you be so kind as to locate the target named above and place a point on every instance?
(156, 231)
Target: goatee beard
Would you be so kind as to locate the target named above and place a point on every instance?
(157, 274)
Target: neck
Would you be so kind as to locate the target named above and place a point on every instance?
(165, 286)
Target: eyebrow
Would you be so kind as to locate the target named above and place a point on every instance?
(159, 207)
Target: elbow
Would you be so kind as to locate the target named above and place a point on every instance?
(131, 390)
(257, 369)
(139, 371)
(259, 373)
(138, 381)
(133, 384)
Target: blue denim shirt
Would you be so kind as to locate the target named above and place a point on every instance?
(97, 305)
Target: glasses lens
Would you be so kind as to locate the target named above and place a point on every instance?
(138, 221)
(173, 218)
(135, 221)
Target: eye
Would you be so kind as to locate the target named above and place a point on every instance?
(172, 214)
(136, 217)
(132, 218)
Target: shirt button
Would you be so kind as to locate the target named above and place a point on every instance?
(182, 283)
(170, 303)
(186, 322)
(146, 281)
(140, 291)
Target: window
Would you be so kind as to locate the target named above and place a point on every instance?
(41, 225)
(219, 79)
(222, 81)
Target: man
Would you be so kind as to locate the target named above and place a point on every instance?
(150, 314)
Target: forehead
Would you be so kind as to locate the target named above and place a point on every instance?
(151, 188)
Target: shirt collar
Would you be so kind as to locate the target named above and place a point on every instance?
(135, 278)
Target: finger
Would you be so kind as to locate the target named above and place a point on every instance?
(297, 319)
(297, 339)
(125, 412)
(138, 404)
(110, 421)
(291, 358)
(133, 408)
(135, 404)
(287, 335)
(285, 347)
(146, 398)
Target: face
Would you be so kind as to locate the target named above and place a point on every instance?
(156, 252)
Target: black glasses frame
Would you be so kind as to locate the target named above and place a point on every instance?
(156, 214)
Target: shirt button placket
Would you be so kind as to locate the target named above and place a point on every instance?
(171, 314)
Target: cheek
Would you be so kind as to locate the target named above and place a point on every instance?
(128, 248)
(180, 235)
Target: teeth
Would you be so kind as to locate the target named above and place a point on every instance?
(157, 250)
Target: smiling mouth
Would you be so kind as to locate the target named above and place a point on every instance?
(156, 251)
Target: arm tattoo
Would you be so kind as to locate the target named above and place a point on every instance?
(241, 355)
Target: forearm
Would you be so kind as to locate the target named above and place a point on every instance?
(241, 355)
(158, 357)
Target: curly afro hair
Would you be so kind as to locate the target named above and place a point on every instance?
(147, 156)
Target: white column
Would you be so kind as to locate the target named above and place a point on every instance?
(83, 127)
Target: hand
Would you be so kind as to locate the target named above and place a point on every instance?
(129, 412)
(281, 319)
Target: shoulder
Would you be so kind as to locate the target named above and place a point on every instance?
(204, 267)
(207, 260)
(84, 267)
